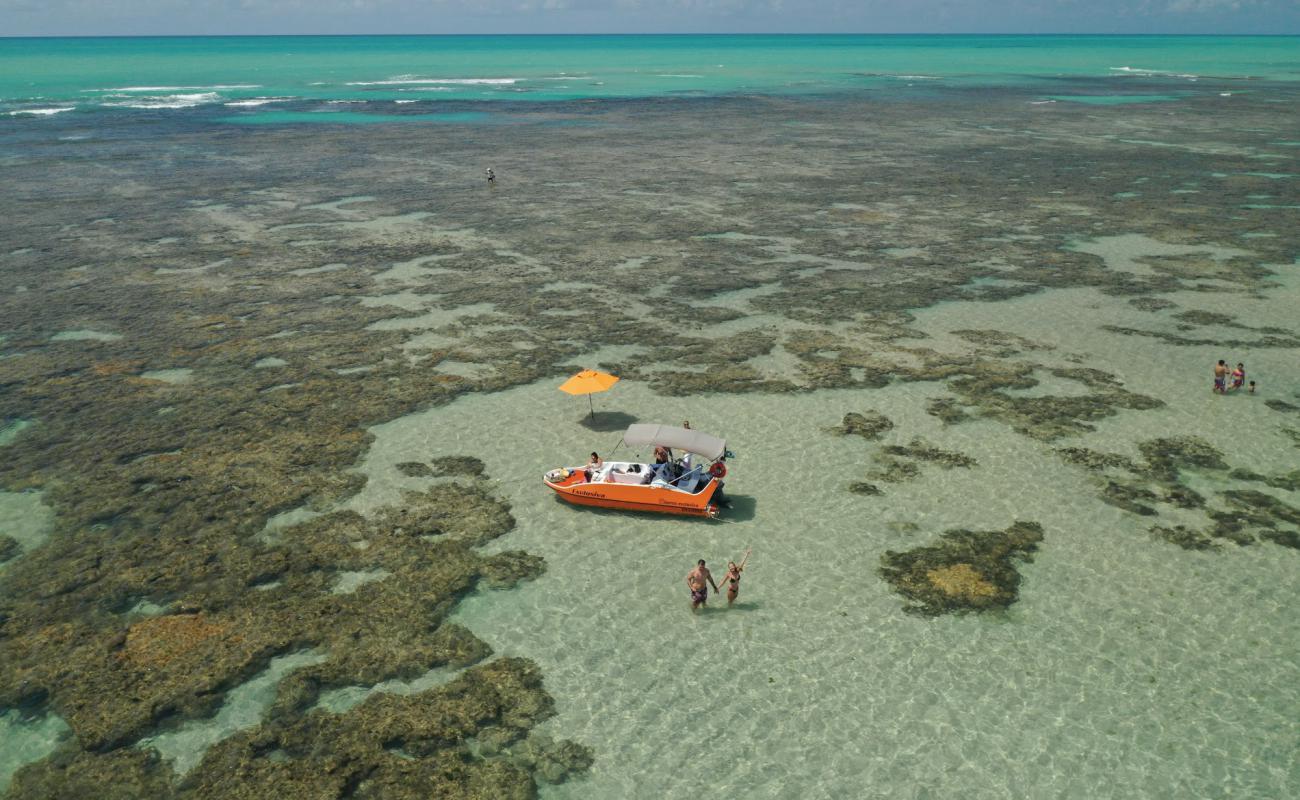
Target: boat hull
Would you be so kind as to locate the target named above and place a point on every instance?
(574, 488)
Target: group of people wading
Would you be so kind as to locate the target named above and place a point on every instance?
(1221, 374)
(700, 579)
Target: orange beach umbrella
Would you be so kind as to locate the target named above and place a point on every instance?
(588, 382)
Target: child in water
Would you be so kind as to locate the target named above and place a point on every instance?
(1252, 387)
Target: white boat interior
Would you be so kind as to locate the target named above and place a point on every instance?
(656, 476)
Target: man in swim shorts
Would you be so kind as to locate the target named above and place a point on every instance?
(1220, 377)
(698, 581)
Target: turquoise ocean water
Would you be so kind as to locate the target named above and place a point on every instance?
(251, 76)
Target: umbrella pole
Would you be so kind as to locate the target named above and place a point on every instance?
(593, 406)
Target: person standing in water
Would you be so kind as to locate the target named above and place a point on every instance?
(1221, 377)
(732, 578)
(491, 176)
(1238, 376)
(698, 581)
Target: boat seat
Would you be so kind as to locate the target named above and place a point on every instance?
(625, 477)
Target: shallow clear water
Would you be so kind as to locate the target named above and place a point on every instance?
(1125, 670)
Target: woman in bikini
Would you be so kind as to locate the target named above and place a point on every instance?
(1238, 376)
(732, 578)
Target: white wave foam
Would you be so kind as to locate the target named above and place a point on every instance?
(40, 112)
(429, 89)
(169, 101)
(919, 77)
(258, 101)
(404, 81)
(345, 102)
(404, 102)
(1162, 72)
(216, 87)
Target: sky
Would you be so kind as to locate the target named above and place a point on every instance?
(220, 17)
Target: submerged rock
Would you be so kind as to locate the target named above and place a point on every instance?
(1152, 303)
(948, 410)
(965, 571)
(1184, 537)
(9, 547)
(468, 466)
(869, 425)
(415, 469)
(919, 450)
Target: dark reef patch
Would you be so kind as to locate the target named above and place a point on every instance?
(1240, 516)
(965, 571)
(869, 425)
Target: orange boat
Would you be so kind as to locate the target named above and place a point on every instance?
(691, 485)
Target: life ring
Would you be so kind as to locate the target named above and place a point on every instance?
(718, 470)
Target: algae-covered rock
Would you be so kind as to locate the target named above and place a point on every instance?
(919, 450)
(1001, 341)
(1184, 537)
(1166, 457)
(9, 547)
(1094, 460)
(1289, 539)
(415, 469)
(868, 425)
(947, 409)
(964, 571)
(894, 471)
(1152, 303)
(124, 774)
(863, 488)
(468, 466)
(551, 761)
(508, 568)
(399, 746)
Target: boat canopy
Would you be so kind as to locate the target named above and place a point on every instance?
(701, 444)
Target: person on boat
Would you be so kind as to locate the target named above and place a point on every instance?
(732, 578)
(663, 462)
(593, 466)
(698, 581)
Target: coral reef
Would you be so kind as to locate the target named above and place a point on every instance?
(919, 450)
(869, 425)
(298, 327)
(415, 469)
(964, 571)
(1241, 516)
(467, 466)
